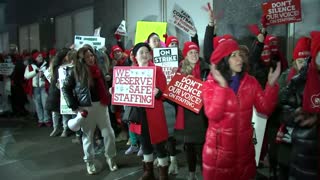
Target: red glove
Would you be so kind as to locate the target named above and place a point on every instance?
(117, 36)
(84, 113)
(264, 21)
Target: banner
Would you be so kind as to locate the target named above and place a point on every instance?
(282, 11)
(64, 109)
(167, 58)
(133, 86)
(182, 20)
(259, 122)
(94, 41)
(6, 68)
(145, 28)
(122, 29)
(186, 91)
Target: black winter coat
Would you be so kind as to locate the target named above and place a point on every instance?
(305, 151)
(53, 100)
(75, 94)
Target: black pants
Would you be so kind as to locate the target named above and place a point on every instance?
(171, 146)
(145, 141)
(193, 152)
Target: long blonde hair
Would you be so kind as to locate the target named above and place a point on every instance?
(186, 67)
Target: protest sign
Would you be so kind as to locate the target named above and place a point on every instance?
(6, 68)
(97, 32)
(185, 91)
(182, 20)
(47, 74)
(94, 41)
(64, 109)
(133, 86)
(167, 58)
(259, 122)
(282, 11)
(122, 29)
(144, 28)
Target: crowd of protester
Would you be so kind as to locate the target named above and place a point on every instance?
(235, 78)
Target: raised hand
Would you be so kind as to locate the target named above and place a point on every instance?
(217, 76)
(274, 75)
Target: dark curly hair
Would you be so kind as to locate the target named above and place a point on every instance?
(224, 68)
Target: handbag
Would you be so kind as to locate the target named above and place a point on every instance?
(133, 114)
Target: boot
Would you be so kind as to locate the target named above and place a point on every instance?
(147, 171)
(55, 132)
(163, 173)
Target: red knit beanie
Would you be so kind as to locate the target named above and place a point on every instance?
(224, 49)
(114, 49)
(219, 39)
(189, 46)
(302, 49)
(52, 52)
(35, 55)
(171, 39)
(274, 47)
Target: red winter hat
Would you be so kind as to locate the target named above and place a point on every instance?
(114, 49)
(35, 55)
(302, 49)
(44, 54)
(315, 43)
(224, 49)
(272, 42)
(171, 39)
(219, 39)
(189, 46)
(52, 52)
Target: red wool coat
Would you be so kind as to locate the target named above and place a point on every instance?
(228, 152)
(155, 116)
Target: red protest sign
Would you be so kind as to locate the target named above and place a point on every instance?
(133, 86)
(282, 11)
(185, 91)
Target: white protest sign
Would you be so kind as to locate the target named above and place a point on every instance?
(122, 29)
(167, 58)
(182, 20)
(64, 109)
(133, 86)
(259, 122)
(95, 42)
(47, 74)
(97, 32)
(6, 68)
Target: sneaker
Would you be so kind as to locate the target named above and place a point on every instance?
(77, 140)
(173, 167)
(91, 168)
(48, 124)
(140, 152)
(64, 133)
(129, 142)
(55, 132)
(132, 149)
(40, 124)
(122, 137)
(112, 165)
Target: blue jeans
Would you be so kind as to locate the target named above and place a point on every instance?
(40, 97)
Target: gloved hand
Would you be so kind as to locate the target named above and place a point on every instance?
(117, 36)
